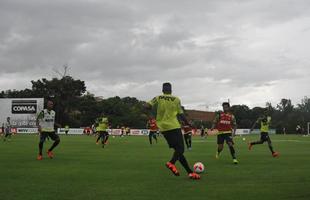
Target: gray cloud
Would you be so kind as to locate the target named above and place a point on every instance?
(248, 51)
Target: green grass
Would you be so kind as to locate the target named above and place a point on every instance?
(129, 168)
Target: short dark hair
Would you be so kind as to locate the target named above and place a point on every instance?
(167, 88)
(226, 104)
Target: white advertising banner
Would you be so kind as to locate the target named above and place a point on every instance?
(255, 131)
(72, 131)
(22, 111)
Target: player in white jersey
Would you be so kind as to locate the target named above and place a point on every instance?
(46, 127)
(7, 129)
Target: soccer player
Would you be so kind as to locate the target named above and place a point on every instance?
(152, 126)
(123, 130)
(103, 125)
(7, 129)
(46, 123)
(187, 130)
(202, 132)
(66, 129)
(225, 123)
(168, 110)
(264, 122)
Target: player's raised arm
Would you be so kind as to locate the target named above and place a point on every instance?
(234, 125)
(256, 122)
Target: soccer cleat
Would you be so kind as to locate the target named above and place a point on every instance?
(50, 154)
(97, 142)
(235, 161)
(194, 176)
(40, 157)
(275, 154)
(172, 168)
(250, 146)
(217, 155)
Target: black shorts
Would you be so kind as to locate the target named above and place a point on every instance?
(224, 137)
(152, 133)
(174, 138)
(51, 135)
(264, 136)
(188, 135)
(103, 133)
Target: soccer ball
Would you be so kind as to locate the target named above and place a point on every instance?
(199, 167)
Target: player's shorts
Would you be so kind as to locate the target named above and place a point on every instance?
(264, 136)
(103, 133)
(221, 138)
(174, 139)
(51, 135)
(152, 133)
(188, 133)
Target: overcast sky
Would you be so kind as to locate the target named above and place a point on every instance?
(248, 51)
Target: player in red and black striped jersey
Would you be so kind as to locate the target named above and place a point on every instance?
(187, 131)
(152, 126)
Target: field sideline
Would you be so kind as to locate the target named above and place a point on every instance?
(129, 168)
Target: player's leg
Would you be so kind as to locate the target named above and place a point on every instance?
(179, 149)
(171, 142)
(56, 140)
(43, 136)
(186, 138)
(150, 137)
(99, 137)
(273, 153)
(102, 139)
(230, 143)
(179, 152)
(261, 141)
(106, 138)
(155, 137)
(220, 145)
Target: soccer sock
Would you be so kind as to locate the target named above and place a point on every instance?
(98, 138)
(106, 138)
(54, 145)
(155, 137)
(186, 141)
(258, 142)
(190, 142)
(232, 152)
(184, 163)
(150, 139)
(40, 148)
(270, 147)
(174, 158)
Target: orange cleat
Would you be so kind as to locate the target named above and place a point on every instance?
(194, 176)
(172, 168)
(40, 157)
(250, 146)
(50, 154)
(275, 154)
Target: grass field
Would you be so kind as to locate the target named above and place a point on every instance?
(129, 168)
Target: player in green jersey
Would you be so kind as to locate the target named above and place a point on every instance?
(264, 122)
(168, 112)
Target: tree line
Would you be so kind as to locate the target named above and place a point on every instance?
(78, 108)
